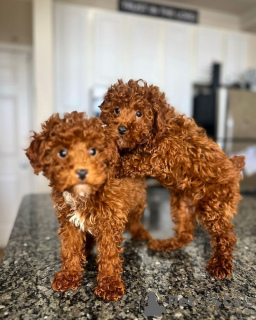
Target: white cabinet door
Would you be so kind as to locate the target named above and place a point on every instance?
(145, 50)
(109, 55)
(209, 51)
(235, 57)
(228, 49)
(177, 73)
(72, 58)
(15, 171)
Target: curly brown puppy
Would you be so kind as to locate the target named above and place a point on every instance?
(154, 140)
(92, 205)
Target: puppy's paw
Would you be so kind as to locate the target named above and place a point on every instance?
(220, 268)
(110, 289)
(66, 280)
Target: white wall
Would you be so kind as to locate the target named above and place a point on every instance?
(43, 52)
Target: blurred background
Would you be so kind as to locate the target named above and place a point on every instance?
(60, 56)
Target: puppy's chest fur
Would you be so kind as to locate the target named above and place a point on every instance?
(77, 216)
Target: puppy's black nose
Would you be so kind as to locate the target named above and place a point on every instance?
(122, 130)
(81, 173)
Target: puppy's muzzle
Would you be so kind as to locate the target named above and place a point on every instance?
(122, 130)
(81, 173)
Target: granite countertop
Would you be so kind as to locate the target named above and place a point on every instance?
(32, 258)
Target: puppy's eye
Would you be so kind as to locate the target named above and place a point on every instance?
(63, 153)
(138, 114)
(92, 152)
(117, 111)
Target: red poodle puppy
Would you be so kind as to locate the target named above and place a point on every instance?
(92, 205)
(156, 141)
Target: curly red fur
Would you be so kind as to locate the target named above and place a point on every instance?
(91, 209)
(166, 145)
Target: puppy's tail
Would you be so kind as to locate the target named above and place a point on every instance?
(238, 162)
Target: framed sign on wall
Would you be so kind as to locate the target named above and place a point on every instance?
(160, 11)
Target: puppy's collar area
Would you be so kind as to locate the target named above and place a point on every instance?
(75, 215)
(69, 199)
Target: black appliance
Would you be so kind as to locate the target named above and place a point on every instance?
(204, 106)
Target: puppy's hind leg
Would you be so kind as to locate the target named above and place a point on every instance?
(182, 211)
(134, 225)
(216, 213)
(220, 265)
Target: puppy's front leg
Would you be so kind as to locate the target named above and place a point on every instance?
(72, 258)
(110, 285)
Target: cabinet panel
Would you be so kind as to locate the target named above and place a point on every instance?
(209, 51)
(177, 84)
(109, 58)
(235, 57)
(145, 46)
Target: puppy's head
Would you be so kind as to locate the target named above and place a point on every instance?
(134, 111)
(73, 153)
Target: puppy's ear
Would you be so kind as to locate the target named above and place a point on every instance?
(160, 107)
(36, 152)
(159, 118)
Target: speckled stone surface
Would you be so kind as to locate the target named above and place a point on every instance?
(32, 257)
